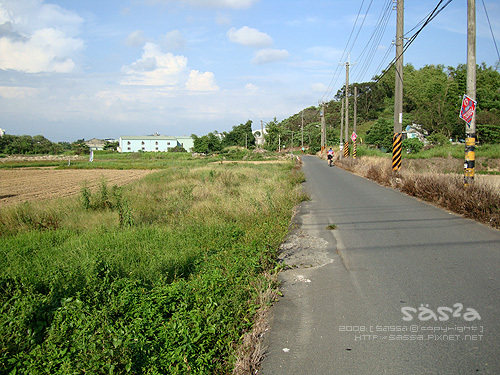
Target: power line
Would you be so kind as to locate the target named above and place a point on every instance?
(335, 76)
(362, 23)
(430, 17)
(374, 41)
(491, 29)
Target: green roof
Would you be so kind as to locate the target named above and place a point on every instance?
(149, 137)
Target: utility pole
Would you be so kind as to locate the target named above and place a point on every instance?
(341, 130)
(302, 129)
(355, 121)
(346, 143)
(398, 94)
(323, 127)
(470, 128)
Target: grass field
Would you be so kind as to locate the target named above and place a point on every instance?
(159, 276)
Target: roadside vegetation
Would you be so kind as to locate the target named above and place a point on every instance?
(165, 275)
(438, 180)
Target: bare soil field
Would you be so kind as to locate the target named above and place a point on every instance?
(27, 184)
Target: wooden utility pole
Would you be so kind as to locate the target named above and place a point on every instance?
(323, 126)
(470, 128)
(398, 94)
(341, 130)
(346, 128)
(302, 128)
(346, 139)
(355, 121)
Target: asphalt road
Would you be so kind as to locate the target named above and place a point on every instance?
(390, 259)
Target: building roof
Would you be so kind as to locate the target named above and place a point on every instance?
(149, 137)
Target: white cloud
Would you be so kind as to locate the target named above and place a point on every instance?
(250, 37)
(232, 4)
(201, 81)
(155, 68)
(136, 38)
(8, 92)
(327, 53)
(268, 55)
(319, 87)
(222, 19)
(37, 37)
(47, 50)
(173, 40)
(251, 88)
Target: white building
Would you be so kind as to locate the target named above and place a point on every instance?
(2, 132)
(153, 143)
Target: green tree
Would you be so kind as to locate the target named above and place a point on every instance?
(22, 144)
(431, 96)
(207, 144)
(412, 145)
(113, 146)
(380, 134)
(41, 145)
(241, 135)
(79, 147)
(272, 135)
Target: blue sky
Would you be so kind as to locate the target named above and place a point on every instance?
(73, 69)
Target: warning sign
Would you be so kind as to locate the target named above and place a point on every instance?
(354, 136)
(468, 109)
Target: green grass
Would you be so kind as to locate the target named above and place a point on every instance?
(172, 291)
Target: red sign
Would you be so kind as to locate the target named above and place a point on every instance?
(468, 109)
(354, 136)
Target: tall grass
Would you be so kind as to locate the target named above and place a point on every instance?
(173, 292)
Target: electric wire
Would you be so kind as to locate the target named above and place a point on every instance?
(430, 17)
(491, 30)
(383, 20)
(360, 27)
(335, 76)
(373, 43)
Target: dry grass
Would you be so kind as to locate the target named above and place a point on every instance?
(480, 201)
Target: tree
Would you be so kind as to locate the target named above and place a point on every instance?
(241, 135)
(79, 147)
(431, 97)
(272, 134)
(113, 146)
(208, 143)
(380, 134)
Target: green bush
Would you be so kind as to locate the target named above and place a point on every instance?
(412, 145)
(438, 139)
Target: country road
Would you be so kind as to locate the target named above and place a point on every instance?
(399, 287)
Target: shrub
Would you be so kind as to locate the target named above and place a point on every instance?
(438, 139)
(412, 145)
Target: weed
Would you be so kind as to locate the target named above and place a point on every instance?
(479, 201)
(171, 286)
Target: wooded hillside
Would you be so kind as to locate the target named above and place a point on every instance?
(432, 98)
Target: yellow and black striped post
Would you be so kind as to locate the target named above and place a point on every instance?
(396, 152)
(354, 149)
(346, 149)
(470, 159)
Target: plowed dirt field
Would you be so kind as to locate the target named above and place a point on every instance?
(19, 185)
